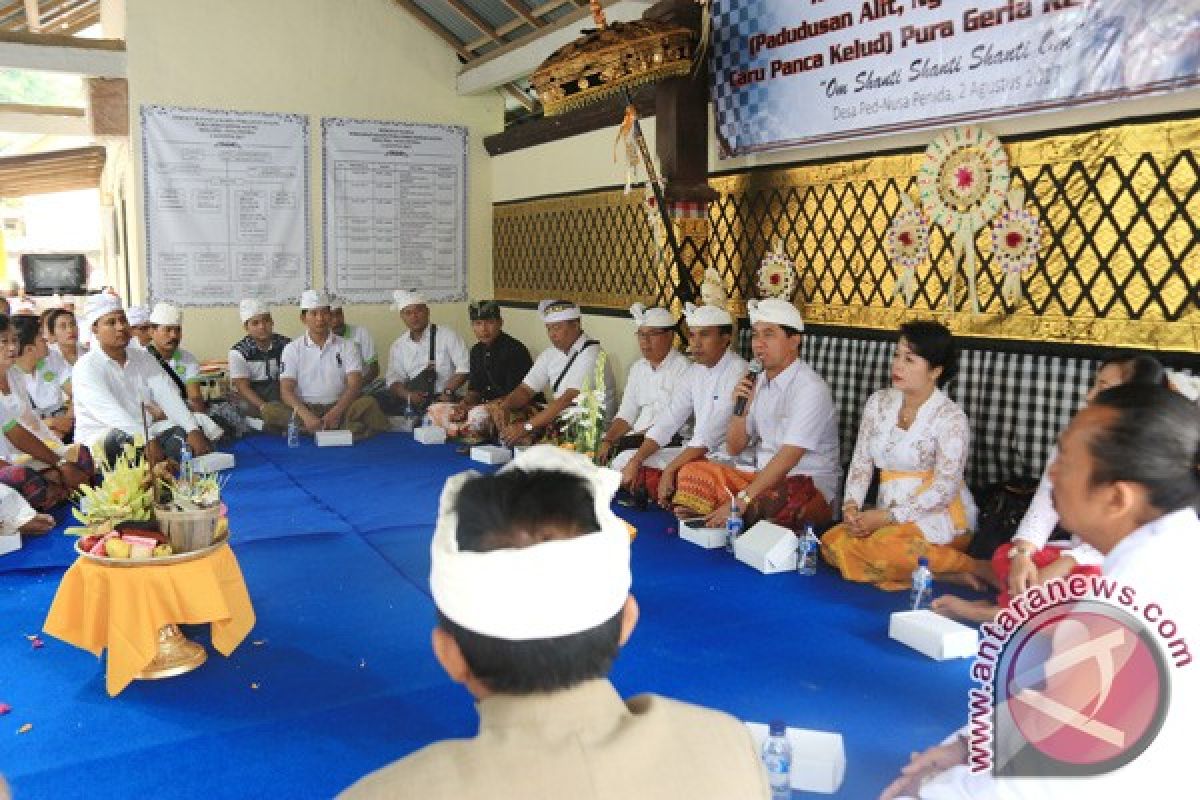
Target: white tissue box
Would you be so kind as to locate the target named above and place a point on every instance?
(334, 438)
(934, 635)
(818, 757)
(767, 547)
(10, 543)
(401, 424)
(254, 423)
(491, 454)
(213, 462)
(696, 533)
(430, 434)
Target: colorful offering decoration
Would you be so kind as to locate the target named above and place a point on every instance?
(963, 184)
(1016, 242)
(908, 247)
(777, 274)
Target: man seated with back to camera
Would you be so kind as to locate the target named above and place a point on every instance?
(530, 575)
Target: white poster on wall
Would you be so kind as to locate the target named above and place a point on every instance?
(395, 209)
(226, 205)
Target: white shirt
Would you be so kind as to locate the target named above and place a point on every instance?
(1158, 561)
(57, 362)
(45, 388)
(1040, 520)
(15, 409)
(551, 362)
(320, 372)
(648, 389)
(109, 395)
(185, 365)
(705, 393)
(796, 409)
(937, 442)
(366, 345)
(408, 358)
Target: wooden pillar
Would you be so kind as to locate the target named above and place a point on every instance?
(681, 128)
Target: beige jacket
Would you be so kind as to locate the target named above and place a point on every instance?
(583, 743)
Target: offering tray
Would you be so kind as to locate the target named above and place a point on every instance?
(159, 561)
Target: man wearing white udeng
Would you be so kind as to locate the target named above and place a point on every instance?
(115, 385)
(652, 380)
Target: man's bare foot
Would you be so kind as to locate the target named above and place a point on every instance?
(977, 611)
(41, 523)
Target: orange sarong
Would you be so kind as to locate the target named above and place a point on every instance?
(702, 486)
(889, 555)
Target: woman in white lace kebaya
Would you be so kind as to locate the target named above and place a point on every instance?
(1031, 559)
(918, 438)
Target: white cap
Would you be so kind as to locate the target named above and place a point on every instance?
(402, 299)
(137, 315)
(166, 314)
(651, 317)
(776, 310)
(311, 298)
(97, 306)
(706, 316)
(250, 308)
(558, 311)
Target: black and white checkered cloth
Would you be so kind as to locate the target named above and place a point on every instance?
(1017, 403)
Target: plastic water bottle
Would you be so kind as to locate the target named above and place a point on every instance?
(185, 463)
(293, 431)
(777, 758)
(427, 420)
(733, 525)
(806, 553)
(922, 584)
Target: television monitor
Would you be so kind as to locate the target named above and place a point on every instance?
(54, 273)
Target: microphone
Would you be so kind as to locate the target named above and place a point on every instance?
(739, 407)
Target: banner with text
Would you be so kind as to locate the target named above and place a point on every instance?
(789, 72)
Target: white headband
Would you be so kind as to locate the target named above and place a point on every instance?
(554, 588)
(97, 306)
(250, 308)
(311, 298)
(558, 311)
(166, 314)
(651, 317)
(705, 316)
(776, 310)
(402, 299)
(137, 315)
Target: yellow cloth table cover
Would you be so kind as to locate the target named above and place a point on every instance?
(122, 608)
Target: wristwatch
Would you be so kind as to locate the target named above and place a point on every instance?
(744, 498)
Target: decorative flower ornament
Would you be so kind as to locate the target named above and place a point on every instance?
(777, 274)
(1016, 241)
(908, 246)
(963, 183)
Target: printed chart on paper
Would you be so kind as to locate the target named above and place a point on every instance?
(395, 209)
(226, 205)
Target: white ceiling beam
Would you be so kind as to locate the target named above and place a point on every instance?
(101, 58)
(520, 59)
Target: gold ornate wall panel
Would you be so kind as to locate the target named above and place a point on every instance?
(1119, 261)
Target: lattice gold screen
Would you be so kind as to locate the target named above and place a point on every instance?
(1120, 248)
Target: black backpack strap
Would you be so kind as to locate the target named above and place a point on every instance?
(571, 362)
(171, 373)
